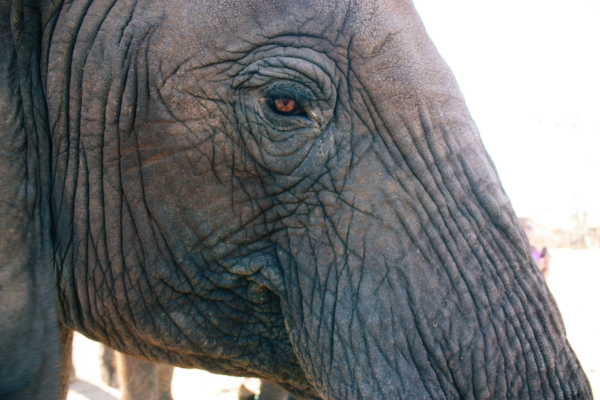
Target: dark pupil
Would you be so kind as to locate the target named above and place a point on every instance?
(285, 105)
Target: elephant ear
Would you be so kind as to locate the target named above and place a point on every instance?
(29, 336)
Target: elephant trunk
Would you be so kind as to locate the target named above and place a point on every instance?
(409, 276)
(414, 280)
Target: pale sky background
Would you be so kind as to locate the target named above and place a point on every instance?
(530, 73)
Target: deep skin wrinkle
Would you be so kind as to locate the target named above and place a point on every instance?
(360, 248)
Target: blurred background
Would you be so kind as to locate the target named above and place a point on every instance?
(530, 73)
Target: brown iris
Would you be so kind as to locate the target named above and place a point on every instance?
(285, 106)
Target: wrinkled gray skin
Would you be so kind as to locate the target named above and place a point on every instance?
(362, 249)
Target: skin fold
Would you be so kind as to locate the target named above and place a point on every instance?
(358, 247)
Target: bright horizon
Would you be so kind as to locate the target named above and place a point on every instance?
(530, 73)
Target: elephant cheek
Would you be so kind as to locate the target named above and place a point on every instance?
(343, 292)
(372, 295)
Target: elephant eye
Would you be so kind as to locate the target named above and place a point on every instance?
(286, 106)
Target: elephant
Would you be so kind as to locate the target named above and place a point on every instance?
(289, 190)
(108, 366)
(138, 379)
(268, 391)
(141, 380)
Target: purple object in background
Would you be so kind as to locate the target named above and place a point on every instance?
(537, 255)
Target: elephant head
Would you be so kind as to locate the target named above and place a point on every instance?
(292, 190)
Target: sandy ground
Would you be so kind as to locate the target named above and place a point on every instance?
(574, 279)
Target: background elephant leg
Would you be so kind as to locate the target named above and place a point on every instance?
(244, 393)
(67, 372)
(271, 391)
(165, 376)
(137, 378)
(108, 373)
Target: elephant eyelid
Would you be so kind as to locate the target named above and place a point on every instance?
(297, 94)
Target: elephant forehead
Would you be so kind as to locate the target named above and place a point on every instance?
(254, 19)
(226, 30)
(382, 42)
